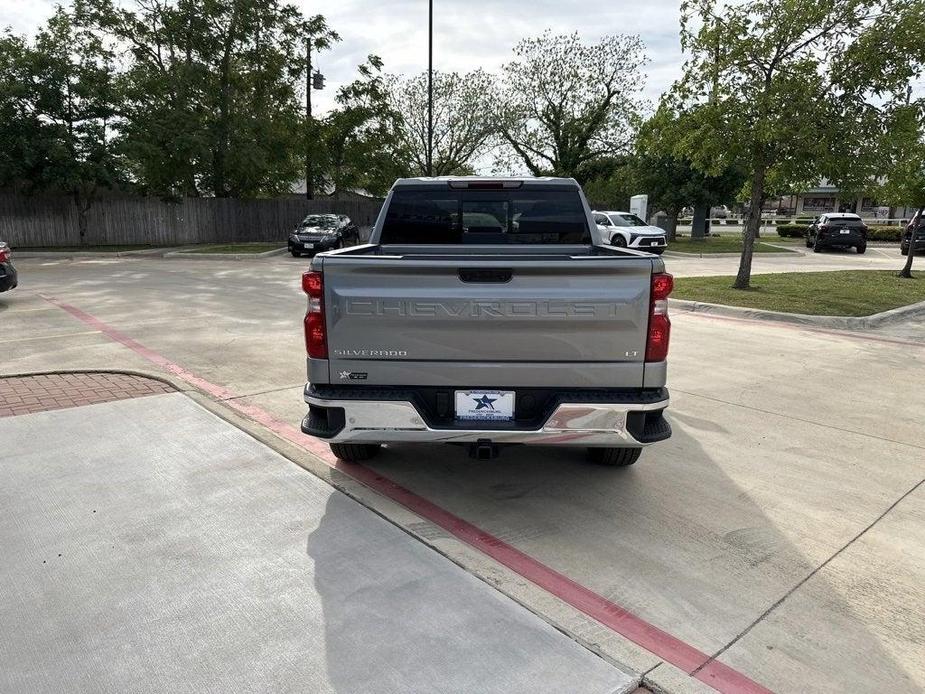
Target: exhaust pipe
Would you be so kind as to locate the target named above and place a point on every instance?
(483, 449)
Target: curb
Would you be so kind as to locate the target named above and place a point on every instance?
(875, 320)
(90, 254)
(196, 255)
(734, 254)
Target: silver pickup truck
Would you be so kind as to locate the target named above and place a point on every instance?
(487, 312)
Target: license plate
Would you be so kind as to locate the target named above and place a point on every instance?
(308, 245)
(488, 405)
(845, 231)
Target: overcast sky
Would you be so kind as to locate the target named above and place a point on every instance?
(467, 33)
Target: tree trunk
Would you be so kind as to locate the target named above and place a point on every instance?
(752, 225)
(906, 272)
(672, 226)
(83, 201)
(699, 223)
(219, 184)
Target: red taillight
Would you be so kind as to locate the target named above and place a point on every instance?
(313, 284)
(316, 339)
(659, 325)
(4, 254)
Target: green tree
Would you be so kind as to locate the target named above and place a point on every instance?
(464, 120)
(786, 90)
(60, 103)
(609, 182)
(669, 177)
(213, 92)
(564, 103)
(905, 183)
(359, 137)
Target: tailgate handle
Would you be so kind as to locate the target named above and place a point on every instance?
(478, 274)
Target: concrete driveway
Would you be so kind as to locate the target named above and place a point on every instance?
(779, 532)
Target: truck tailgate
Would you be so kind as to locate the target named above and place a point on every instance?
(487, 321)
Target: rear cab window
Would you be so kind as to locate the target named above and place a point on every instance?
(472, 216)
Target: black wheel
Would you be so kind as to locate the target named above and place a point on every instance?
(862, 248)
(904, 251)
(354, 452)
(817, 247)
(614, 457)
(295, 253)
(809, 243)
(618, 241)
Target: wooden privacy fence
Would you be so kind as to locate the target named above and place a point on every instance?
(46, 220)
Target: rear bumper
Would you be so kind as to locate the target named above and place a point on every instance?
(573, 418)
(837, 239)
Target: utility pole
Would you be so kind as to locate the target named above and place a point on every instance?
(430, 87)
(309, 188)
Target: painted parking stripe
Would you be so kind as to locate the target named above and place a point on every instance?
(657, 641)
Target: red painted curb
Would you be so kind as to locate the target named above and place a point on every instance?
(674, 651)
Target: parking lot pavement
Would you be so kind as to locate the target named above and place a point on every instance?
(778, 528)
(150, 546)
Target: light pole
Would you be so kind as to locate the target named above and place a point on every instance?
(430, 87)
(309, 188)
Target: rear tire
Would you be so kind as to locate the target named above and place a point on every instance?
(295, 254)
(862, 248)
(904, 251)
(614, 457)
(354, 452)
(817, 247)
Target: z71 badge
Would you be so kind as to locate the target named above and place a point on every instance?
(353, 375)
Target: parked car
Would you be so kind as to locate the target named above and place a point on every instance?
(475, 316)
(8, 277)
(919, 231)
(626, 230)
(323, 232)
(719, 212)
(837, 230)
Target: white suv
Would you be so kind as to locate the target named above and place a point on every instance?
(626, 230)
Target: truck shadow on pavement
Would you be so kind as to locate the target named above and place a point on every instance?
(704, 565)
(400, 618)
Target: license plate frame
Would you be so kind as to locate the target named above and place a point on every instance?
(844, 231)
(484, 405)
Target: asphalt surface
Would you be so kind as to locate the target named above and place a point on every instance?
(781, 528)
(149, 546)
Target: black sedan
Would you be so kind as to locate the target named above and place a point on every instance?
(323, 232)
(8, 279)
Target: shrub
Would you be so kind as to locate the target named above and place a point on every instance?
(884, 233)
(793, 231)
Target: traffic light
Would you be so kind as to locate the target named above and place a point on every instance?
(317, 81)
